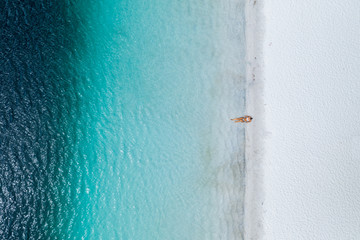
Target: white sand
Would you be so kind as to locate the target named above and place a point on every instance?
(303, 148)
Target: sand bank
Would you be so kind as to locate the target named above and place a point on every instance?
(303, 147)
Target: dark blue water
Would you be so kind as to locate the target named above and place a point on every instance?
(37, 111)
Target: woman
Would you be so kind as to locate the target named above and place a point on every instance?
(245, 119)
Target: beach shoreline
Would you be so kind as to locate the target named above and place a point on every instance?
(254, 196)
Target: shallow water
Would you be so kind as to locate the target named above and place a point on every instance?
(114, 119)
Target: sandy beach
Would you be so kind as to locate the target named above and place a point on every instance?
(254, 195)
(303, 147)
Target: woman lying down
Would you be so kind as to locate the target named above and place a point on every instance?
(245, 119)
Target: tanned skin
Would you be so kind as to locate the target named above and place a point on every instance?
(245, 119)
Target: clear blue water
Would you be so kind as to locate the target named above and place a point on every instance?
(115, 120)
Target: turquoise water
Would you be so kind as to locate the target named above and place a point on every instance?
(143, 140)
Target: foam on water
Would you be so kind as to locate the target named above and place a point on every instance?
(143, 145)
